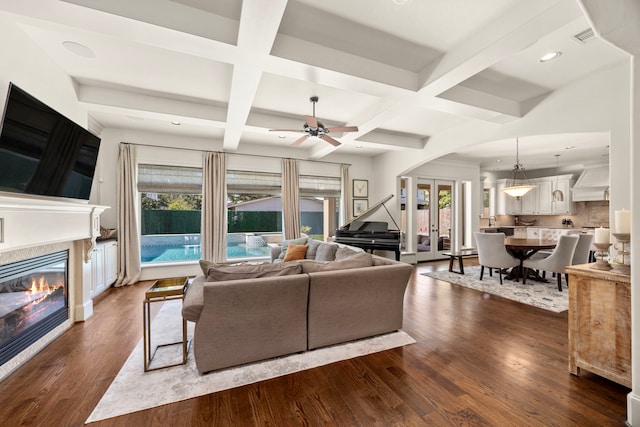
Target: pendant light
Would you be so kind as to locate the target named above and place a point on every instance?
(515, 190)
(557, 194)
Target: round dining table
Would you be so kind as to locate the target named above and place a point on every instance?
(523, 249)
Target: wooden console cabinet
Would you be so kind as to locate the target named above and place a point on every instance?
(600, 323)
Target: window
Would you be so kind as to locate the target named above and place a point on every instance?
(254, 213)
(486, 193)
(319, 205)
(170, 211)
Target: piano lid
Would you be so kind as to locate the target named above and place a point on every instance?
(370, 211)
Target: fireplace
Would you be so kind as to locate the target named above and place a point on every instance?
(33, 300)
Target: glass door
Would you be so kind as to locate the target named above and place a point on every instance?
(434, 208)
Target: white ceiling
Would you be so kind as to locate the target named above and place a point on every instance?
(230, 70)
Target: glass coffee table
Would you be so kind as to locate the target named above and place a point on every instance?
(163, 290)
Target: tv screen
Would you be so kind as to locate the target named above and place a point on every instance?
(42, 152)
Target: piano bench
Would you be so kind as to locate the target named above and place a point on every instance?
(459, 255)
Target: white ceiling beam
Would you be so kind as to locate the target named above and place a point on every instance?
(259, 23)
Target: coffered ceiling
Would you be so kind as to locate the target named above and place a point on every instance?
(230, 70)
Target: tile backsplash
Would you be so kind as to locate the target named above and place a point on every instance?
(585, 214)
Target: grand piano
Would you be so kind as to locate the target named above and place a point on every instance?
(371, 235)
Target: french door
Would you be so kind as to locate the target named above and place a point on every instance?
(433, 218)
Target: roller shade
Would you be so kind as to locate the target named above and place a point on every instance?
(249, 182)
(169, 179)
(316, 186)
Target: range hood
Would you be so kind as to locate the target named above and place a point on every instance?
(591, 185)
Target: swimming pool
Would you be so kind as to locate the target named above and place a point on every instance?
(169, 253)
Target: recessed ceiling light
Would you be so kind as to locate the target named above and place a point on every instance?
(358, 146)
(569, 147)
(176, 123)
(79, 49)
(401, 2)
(549, 56)
(498, 160)
(282, 136)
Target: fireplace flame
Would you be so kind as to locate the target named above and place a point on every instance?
(40, 289)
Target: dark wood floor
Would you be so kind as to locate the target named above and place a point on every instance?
(479, 361)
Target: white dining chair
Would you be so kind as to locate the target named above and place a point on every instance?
(560, 258)
(493, 254)
(583, 248)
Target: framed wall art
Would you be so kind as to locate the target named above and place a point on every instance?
(359, 206)
(360, 188)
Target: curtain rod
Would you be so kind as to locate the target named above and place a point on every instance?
(235, 154)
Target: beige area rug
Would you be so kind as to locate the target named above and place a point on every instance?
(134, 390)
(537, 294)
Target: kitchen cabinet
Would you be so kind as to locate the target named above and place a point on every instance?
(565, 206)
(538, 201)
(104, 266)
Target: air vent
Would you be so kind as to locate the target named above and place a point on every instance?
(584, 36)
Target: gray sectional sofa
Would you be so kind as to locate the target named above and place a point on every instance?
(250, 312)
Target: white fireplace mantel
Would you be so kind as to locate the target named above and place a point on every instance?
(27, 222)
(33, 225)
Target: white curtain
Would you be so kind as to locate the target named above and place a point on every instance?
(290, 202)
(128, 234)
(346, 210)
(213, 235)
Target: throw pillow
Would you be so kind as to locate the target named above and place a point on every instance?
(251, 271)
(313, 248)
(358, 260)
(285, 244)
(295, 252)
(326, 252)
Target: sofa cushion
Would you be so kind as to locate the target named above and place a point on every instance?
(251, 271)
(313, 248)
(326, 252)
(344, 252)
(295, 252)
(285, 244)
(361, 259)
(206, 265)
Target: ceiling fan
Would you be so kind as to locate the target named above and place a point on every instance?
(313, 127)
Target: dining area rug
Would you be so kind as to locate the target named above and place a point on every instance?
(135, 390)
(537, 294)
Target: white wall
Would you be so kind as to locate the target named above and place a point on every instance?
(26, 65)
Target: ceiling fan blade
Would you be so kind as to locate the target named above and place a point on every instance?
(286, 130)
(299, 140)
(311, 121)
(330, 140)
(341, 129)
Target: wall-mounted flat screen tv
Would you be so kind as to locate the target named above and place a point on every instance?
(42, 152)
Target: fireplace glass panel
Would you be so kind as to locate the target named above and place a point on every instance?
(33, 301)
